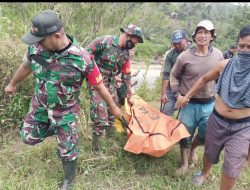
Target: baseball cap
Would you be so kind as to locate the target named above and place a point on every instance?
(178, 36)
(133, 30)
(44, 24)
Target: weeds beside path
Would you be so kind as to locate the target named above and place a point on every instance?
(37, 168)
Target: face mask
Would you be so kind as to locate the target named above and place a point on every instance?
(129, 44)
(243, 54)
(244, 59)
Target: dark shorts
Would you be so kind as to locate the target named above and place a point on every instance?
(233, 136)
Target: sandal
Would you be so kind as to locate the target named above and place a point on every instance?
(197, 180)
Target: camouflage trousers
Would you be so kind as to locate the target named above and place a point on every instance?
(62, 120)
(99, 111)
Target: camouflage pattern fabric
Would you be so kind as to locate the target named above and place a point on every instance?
(99, 111)
(64, 121)
(110, 59)
(55, 102)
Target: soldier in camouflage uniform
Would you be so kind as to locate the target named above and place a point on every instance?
(59, 66)
(121, 87)
(111, 54)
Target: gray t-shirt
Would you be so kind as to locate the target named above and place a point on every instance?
(189, 67)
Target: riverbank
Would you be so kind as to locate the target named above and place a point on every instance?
(149, 74)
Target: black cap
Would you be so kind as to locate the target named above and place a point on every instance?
(44, 24)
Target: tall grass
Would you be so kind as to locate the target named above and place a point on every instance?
(28, 168)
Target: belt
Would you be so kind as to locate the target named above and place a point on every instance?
(241, 120)
(202, 100)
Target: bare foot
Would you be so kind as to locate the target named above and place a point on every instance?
(182, 170)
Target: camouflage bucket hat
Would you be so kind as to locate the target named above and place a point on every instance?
(134, 30)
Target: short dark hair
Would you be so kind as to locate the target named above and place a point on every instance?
(245, 31)
(233, 46)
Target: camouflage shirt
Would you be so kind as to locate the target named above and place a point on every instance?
(111, 59)
(61, 79)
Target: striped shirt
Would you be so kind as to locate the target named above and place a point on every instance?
(234, 82)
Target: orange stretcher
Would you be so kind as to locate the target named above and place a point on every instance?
(150, 131)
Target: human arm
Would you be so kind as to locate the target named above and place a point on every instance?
(164, 87)
(94, 79)
(96, 45)
(165, 79)
(175, 76)
(21, 73)
(211, 75)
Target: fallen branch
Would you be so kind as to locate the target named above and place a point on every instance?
(98, 158)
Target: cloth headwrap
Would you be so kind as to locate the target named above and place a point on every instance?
(234, 83)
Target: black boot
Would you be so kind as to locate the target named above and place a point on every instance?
(69, 168)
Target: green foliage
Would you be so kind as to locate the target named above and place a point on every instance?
(89, 20)
(148, 49)
(18, 16)
(13, 109)
(240, 18)
(5, 27)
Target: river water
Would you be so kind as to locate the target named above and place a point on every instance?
(153, 72)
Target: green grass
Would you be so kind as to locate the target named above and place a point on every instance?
(27, 167)
(24, 167)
